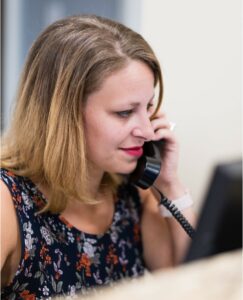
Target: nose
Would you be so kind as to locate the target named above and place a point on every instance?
(144, 129)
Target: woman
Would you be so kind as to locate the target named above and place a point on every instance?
(70, 219)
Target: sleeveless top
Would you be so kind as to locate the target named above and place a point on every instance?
(59, 259)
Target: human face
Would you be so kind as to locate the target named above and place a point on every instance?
(117, 119)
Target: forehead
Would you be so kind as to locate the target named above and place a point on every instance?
(133, 83)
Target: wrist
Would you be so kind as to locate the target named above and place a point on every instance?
(180, 204)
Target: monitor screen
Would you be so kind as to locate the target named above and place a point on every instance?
(219, 227)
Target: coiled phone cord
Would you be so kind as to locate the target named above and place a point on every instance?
(177, 214)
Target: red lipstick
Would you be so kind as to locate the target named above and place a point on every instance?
(134, 151)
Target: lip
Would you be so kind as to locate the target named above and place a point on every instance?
(133, 151)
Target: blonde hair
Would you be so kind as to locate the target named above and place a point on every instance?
(67, 62)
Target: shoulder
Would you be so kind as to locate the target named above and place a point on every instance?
(140, 197)
(9, 179)
(22, 191)
(7, 187)
(148, 200)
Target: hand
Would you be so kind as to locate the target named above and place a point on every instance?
(167, 182)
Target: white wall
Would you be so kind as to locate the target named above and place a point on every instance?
(198, 43)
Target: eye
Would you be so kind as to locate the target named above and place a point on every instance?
(125, 113)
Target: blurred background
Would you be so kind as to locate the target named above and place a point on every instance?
(199, 46)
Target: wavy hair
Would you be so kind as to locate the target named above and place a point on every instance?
(68, 61)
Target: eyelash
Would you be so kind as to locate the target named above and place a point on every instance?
(127, 113)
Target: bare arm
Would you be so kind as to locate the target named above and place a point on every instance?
(164, 240)
(157, 242)
(9, 234)
(179, 237)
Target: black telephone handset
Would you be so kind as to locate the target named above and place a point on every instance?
(145, 174)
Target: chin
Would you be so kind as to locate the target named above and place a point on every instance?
(128, 169)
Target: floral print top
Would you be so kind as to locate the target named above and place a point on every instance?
(59, 259)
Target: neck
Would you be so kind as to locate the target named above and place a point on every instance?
(94, 181)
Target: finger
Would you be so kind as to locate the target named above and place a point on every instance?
(164, 133)
(160, 123)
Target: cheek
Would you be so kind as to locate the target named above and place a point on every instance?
(100, 134)
(104, 133)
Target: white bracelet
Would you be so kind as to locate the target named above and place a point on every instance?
(181, 203)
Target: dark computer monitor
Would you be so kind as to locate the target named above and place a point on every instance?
(219, 228)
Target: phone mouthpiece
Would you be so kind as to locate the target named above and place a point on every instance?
(147, 170)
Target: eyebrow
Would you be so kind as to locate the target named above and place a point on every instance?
(134, 104)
